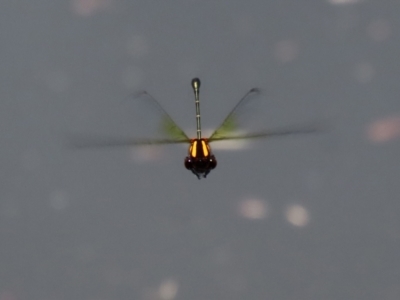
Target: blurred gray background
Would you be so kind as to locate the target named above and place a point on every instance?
(310, 217)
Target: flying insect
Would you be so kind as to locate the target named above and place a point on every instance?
(200, 160)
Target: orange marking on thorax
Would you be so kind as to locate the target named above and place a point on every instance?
(199, 148)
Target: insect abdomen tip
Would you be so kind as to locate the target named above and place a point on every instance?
(196, 83)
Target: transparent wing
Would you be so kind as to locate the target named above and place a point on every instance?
(281, 131)
(139, 120)
(254, 117)
(89, 141)
(231, 125)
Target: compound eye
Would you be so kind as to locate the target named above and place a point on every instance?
(212, 163)
(188, 163)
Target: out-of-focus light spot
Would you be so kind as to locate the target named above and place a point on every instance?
(58, 200)
(89, 7)
(146, 154)
(132, 78)
(379, 30)
(342, 2)
(286, 51)
(297, 215)
(384, 130)
(253, 209)
(137, 46)
(364, 72)
(168, 289)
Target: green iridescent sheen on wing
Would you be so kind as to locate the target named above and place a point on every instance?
(228, 127)
(170, 129)
(231, 124)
